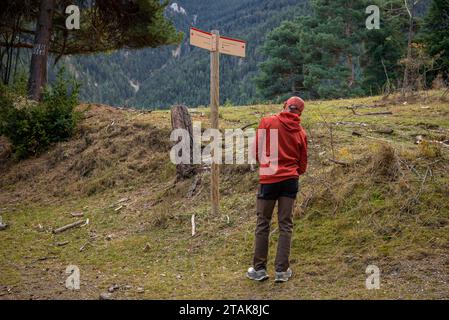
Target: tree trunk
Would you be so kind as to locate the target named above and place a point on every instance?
(350, 62)
(180, 119)
(406, 83)
(38, 67)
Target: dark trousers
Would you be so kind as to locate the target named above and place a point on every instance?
(284, 193)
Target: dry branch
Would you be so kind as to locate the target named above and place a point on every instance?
(61, 244)
(371, 113)
(69, 226)
(360, 106)
(249, 125)
(385, 131)
(345, 164)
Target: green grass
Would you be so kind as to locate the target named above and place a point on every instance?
(355, 216)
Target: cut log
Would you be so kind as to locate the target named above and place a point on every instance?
(69, 226)
(180, 119)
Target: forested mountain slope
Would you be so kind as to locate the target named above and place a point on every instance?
(159, 77)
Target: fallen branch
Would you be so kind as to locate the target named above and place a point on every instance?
(348, 123)
(84, 246)
(193, 225)
(345, 164)
(69, 226)
(371, 113)
(377, 113)
(359, 106)
(382, 131)
(60, 244)
(385, 131)
(249, 125)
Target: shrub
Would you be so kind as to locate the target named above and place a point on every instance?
(31, 127)
(384, 162)
(429, 150)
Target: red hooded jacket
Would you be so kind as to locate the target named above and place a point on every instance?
(292, 147)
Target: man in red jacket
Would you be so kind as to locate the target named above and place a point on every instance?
(279, 184)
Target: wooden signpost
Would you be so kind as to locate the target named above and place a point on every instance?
(215, 44)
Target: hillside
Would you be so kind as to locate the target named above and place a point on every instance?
(134, 77)
(383, 204)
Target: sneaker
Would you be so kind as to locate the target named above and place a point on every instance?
(283, 276)
(259, 275)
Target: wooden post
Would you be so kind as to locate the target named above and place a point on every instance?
(214, 103)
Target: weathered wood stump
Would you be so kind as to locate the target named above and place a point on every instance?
(180, 119)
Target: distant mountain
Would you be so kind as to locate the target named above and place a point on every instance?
(158, 78)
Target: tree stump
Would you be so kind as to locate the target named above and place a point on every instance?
(180, 119)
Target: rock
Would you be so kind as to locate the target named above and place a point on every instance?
(123, 200)
(109, 237)
(140, 290)
(3, 226)
(113, 288)
(178, 276)
(106, 296)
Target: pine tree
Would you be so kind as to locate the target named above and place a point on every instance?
(281, 74)
(383, 48)
(435, 35)
(105, 25)
(331, 44)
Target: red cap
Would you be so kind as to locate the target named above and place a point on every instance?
(295, 101)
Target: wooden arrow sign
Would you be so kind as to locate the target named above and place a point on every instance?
(205, 40)
(233, 47)
(201, 39)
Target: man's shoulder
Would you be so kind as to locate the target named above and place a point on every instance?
(269, 119)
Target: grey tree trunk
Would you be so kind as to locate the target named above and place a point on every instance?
(38, 67)
(180, 119)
